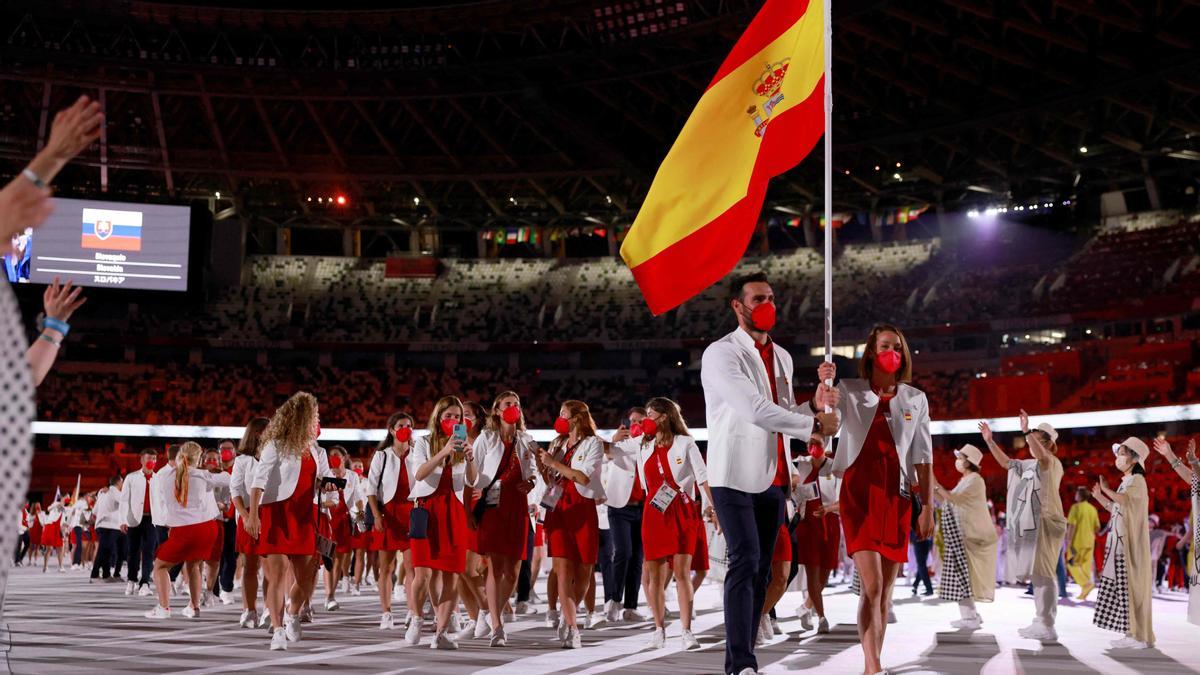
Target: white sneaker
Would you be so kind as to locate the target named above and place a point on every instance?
(129, 588)
(632, 616)
(524, 608)
(534, 598)
(552, 618)
(279, 640)
(159, 612)
(74, 568)
(483, 627)
(291, 625)
(612, 611)
(208, 600)
(1039, 632)
(574, 639)
(689, 640)
(264, 619)
(658, 639)
(386, 622)
(508, 616)
(775, 629)
(412, 632)
(398, 594)
(764, 633)
(249, 618)
(227, 598)
(563, 631)
(143, 591)
(806, 617)
(355, 591)
(822, 626)
(499, 639)
(1129, 643)
(747, 671)
(454, 625)
(967, 624)
(331, 605)
(467, 631)
(596, 620)
(190, 612)
(442, 641)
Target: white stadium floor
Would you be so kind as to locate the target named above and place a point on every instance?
(59, 623)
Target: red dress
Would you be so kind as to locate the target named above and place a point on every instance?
(339, 523)
(289, 527)
(191, 543)
(573, 526)
(874, 515)
(395, 519)
(245, 545)
(471, 536)
(35, 531)
(783, 546)
(52, 534)
(700, 556)
(817, 542)
(504, 529)
(674, 532)
(444, 547)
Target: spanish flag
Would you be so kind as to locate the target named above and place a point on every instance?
(762, 113)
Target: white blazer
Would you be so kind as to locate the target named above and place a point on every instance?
(743, 422)
(489, 452)
(390, 474)
(158, 508)
(588, 459)
(683, 457)
(418, 455)
(108, 509)
(908, 420)
(239, 480)
(618, 481)
(133, 498)
(201, 505)
(277, 475)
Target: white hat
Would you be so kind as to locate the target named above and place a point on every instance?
(1139, 447)
(1045, 426)
(970, 453)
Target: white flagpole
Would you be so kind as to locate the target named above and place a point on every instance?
(828, 184)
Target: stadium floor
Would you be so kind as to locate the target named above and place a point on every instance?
(58, 623)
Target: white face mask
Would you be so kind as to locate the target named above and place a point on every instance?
(1124, 463)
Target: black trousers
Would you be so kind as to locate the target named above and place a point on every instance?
(612, 589)
(625, 530)
(525, 576)
(751, 523)
(923, 547)
(106, 553)
(229, 557)
(22, 547)
(143, 542)
(77, 537)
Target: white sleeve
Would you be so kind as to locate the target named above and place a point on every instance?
(373, 474)
(720, 374)
(921, 451)
(485, 445)
(699, 469)
(268, 463)
(237, 480)
(591, 462)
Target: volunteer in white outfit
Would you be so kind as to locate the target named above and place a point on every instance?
(750, 406)
(108, 526)
(239, 489)
(282, 517)
(191, 513)
(1189, 471)
(138, 524)
(669, 464)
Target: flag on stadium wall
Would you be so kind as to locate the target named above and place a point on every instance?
(112, 230)
(761, 114)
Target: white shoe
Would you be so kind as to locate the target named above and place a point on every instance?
(467, 631)
(822, 626)
(632, 616)
(596, 620)
(442, 641)
(331, 605)
(129, 588)
(574, 639)
(159, 612)
(264, 619)
(249, 618)
(967, 624)
(190, 612)
(291, 625)
(658, 639)
(689, 640)
(806, 617)
(775, 629)
(1129, 643)
(398, 594)
(355, 591)
(227, 598)
(499, 639)
(412, 633)
(279, 640)
(747, 671)
(143, 591)
(612, 611)
(563, 631)
(552, 618)
(454, 625)
(74, 567)
(534, 598)
(208, 600)
(525, 608)
(508, 616)
(483, 627)
(764, 630)
(1039, 632)
(386, 622)
(306, 613)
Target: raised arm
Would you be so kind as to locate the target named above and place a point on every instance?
(1039, 451)
(1184, 469)
(1001, 458)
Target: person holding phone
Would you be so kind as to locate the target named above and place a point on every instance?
(440, 469)
(571, 472)
(387, 487)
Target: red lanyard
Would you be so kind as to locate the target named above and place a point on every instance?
(667, 476)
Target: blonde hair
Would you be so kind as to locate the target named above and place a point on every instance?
(674, 424)
(291, 426)
(436, 438)
(189, 456)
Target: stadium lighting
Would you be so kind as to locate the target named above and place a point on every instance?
(341, 200)
(896, 176)
(972, 213)
(310, 199)
(876, 167)
(990, 211)
(1083, 149)
(897, 165)
(218, 194)
(416, 201)
(1021, 208)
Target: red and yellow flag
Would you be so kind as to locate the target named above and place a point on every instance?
(762, 113)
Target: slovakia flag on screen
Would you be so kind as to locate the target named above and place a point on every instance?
(111, 230)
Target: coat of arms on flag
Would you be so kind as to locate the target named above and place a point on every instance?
(112, 230)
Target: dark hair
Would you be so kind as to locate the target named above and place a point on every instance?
(112, 482)
(971, 465)
(1081, 492)
(866, 365)
(481, 417)
(737, 285)
(252, 437)
(393, 420)
(338, 450)
(1138, 469)
(148, 451)
(637, 409)
(223, 441)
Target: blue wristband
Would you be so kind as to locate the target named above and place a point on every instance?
(54, 324)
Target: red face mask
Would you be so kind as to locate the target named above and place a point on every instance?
(359, 471)
(226, 455)
(335, 462)
(448, 426)
(511, 415)
(151, 463)
(889, 361)
(562, 425)
(763, 317)
(636, 429)
(470, 424)
(404, 434)
(649, 427)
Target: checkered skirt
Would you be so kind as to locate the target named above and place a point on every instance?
(954, 583)
(1112, 605)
